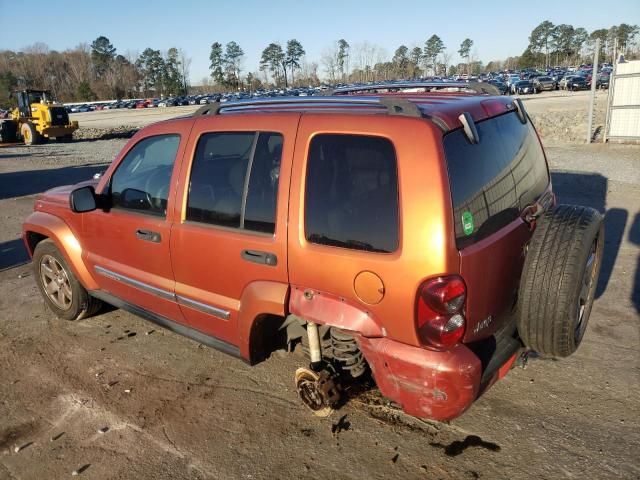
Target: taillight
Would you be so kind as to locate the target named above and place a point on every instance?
(440, 318)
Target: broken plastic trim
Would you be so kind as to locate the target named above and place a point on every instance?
(522, 113)
(469, 126)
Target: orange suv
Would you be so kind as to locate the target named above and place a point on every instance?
(407, 233)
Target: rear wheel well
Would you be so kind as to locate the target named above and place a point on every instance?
(267, 336)
(33, 239)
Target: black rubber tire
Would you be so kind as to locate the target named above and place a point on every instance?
(8, 131)
(83, 305)
(33, 138)
(553, 278)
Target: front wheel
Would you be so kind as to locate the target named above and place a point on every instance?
(61, 290)
(29, 134)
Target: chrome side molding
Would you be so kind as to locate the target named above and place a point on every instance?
(203, 307)
(165, 294)
(136, 284)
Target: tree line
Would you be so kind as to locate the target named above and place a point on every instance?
(99, 71)
(551, 45)
(96, 71)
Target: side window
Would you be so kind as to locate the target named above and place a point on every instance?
(351, 198)
(141, 181)
(234, 180)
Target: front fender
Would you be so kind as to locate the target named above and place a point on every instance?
(57, 230)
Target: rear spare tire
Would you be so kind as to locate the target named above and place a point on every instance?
(559, 279)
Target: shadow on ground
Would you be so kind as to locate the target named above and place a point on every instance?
(12, 254)
(19, 184)
(634, 238)
(590, 189)
(14, 155)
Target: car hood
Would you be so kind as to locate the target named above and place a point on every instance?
(60, 194)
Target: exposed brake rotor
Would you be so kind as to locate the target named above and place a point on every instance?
(317, 390)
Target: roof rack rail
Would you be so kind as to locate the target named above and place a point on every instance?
(393, 106)
(477, 87)
(209, 109)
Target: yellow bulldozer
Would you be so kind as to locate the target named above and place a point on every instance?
(36, 119)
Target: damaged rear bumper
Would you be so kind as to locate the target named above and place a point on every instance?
(439, 385)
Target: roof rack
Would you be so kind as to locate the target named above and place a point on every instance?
(477, 87)
(393, 106)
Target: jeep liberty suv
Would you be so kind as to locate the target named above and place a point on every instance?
(409, 234)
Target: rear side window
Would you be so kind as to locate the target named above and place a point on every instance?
(352, 193)
(491, 182)
(234, 180)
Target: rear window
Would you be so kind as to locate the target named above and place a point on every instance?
(492, 181)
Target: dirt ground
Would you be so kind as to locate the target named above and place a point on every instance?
(115, 397)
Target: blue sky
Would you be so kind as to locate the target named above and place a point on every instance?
(498, 28)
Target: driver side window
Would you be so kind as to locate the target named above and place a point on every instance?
(141, 181)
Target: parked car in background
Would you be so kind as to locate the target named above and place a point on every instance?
(522, 87)
(167, 102)
(603, 80)
(79, 108)
(574, 82)
(562, 83)
(511, 79)
(499, 85)
(541, 84)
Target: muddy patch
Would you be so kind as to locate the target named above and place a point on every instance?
(17, 435)
(459, 446)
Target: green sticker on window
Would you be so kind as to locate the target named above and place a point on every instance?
(467, 223)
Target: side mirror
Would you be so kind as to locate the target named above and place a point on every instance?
(83, 200)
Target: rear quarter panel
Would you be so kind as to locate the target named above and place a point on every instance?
(425, 247)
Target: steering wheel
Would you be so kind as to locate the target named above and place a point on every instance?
(156, 187)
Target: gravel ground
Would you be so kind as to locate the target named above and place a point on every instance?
(114, 397)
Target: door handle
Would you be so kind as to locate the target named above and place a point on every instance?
(148, 235)
(256, 256)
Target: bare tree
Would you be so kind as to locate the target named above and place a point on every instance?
(185, 67)
(329, 61)
(446, 61)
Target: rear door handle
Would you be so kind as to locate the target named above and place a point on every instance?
(148, 235)
(256, 256)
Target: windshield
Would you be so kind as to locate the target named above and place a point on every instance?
(38, 97)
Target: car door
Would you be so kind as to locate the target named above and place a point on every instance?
(126, 244)
(231, 228)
